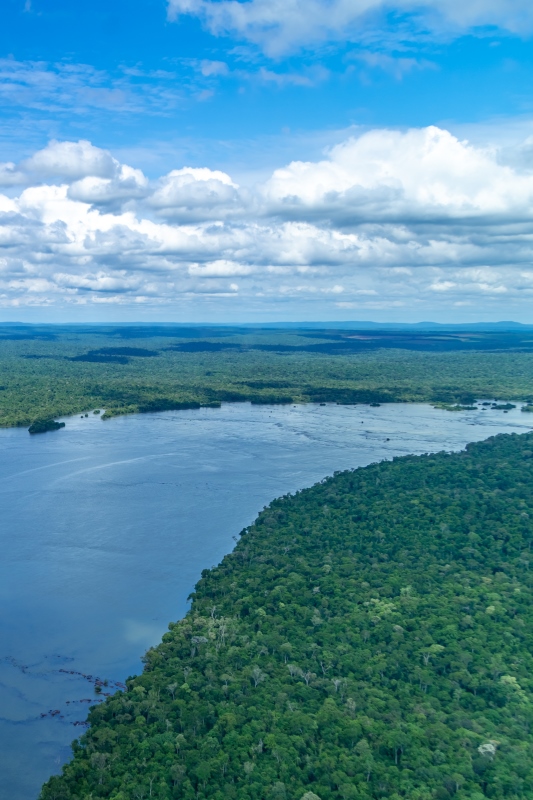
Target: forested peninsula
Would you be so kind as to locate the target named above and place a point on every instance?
(50, 371)
(370, 637)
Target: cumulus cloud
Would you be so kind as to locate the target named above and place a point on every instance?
(387, 219)
(420, 175)
(193, 193)
(220, 269)
(71, 160)
(281, 26)
(92, 175)
(10, 175)
(125, 185)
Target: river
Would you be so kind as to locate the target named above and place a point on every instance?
(106, 526)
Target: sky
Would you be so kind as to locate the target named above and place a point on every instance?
(266, 160)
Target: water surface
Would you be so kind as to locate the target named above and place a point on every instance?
(106, 527)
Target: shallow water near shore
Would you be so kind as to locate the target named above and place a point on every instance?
(106, 527)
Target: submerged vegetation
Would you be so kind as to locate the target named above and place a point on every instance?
(51, 371)
(370, 637)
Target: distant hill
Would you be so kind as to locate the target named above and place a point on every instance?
(415, 326)
(291, 325)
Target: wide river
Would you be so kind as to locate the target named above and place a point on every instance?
(106, 526)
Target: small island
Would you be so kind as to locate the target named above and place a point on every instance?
(45, 425)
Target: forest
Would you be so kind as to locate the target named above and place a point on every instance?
(50, 371)
(369, 637)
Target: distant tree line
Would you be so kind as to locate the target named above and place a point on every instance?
(68, 370)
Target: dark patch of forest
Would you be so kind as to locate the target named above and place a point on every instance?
(119, 355)
(45, 425)
(368, 638)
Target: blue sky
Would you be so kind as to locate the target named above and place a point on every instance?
(209, 159)
(140, 82)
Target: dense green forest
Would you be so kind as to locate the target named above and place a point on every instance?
(50, 371)
(370, 637)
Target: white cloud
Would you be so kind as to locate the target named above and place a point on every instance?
(421, 175)
(127, 184)
(93, 176)
(442, 286)
(79, 89)
(99, 282)
(10, 175)
(395, 66)
(281, 26)
(194, 193)
(213, 68)
(71, 160)
(387, 219)
(220, 269)
(311, 77)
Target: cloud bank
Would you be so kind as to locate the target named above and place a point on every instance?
(281, 26)
(388, 219)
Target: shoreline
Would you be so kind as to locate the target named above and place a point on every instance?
(59, 421)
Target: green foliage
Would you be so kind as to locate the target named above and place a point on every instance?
(45, 425)
(52, 371)
(370, 637)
